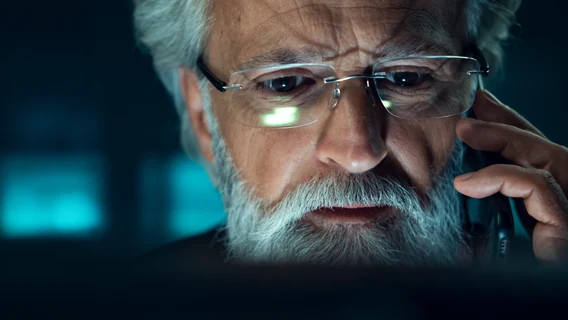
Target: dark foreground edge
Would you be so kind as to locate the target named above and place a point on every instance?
(68, 284)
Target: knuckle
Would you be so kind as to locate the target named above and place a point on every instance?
(511, 147)
(544, 177)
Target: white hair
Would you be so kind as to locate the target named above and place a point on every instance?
(175, 31)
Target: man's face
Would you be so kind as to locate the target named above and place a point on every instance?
(355, 139)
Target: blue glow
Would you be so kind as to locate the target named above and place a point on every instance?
(151, 197)
(50, 196)
(196, 206)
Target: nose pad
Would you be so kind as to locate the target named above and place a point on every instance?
(335, 95)
(370, 94)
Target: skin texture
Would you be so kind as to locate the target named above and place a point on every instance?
(352, 138)
(349, 139)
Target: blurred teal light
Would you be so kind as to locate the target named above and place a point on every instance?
(195, 205)
(50, 195)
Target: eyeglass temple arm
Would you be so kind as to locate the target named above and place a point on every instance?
(220, 85)
(478, 55)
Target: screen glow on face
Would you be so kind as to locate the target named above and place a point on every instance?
(294, 95)
(280, 117)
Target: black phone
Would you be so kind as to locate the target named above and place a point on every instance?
(501, 232)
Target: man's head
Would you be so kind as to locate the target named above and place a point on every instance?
(359, 185)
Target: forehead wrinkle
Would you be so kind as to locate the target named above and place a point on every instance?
(428, 36)
(336, 43)
(315, 6)
(415, 20)
(309, 51)
(428, 24)
(336, 21)
(411, 47)
(264, 37)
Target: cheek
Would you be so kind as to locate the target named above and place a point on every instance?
(422, 148)
(442, 141)
(268, 160)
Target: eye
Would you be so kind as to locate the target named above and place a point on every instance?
(285, 84)
(406, 79)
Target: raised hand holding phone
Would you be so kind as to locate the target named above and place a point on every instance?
(538, 173)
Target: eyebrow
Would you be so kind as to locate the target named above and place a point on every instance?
(412, 48)
(281, 56)
(304, 55)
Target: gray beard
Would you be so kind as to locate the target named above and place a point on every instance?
(424, 232)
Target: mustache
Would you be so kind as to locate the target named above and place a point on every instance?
(337, 190)
(368, 189)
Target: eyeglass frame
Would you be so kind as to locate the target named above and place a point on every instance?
(222, 86)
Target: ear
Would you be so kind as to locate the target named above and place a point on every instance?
(189, 86)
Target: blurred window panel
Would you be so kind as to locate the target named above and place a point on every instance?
(195, 205)
(152, 198)
(51, 196)
(177, 200)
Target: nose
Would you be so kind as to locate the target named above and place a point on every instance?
(351, 137)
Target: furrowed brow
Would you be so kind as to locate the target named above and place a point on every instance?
(428, 36)
(280, 56)
(305, 55)
(412, 48)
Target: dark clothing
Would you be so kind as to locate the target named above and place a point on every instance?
(203, 250)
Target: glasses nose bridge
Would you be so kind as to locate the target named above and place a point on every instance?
(336, 93)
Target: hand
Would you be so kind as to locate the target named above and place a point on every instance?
(539, 174)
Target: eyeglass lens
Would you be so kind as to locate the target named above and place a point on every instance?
(291, 96)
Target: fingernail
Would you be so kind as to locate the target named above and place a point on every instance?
(464, 177)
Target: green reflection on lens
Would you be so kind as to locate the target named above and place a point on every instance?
(387, 104)
(280, 117)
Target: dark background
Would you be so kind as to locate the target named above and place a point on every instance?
(89, 145)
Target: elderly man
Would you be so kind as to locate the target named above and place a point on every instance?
(339, 132)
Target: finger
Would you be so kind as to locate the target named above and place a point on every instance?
(519, 146)
(543, 199)
(542, 196)
(488, 108)
(548, 245)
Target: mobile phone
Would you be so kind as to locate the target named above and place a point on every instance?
(502, 231)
